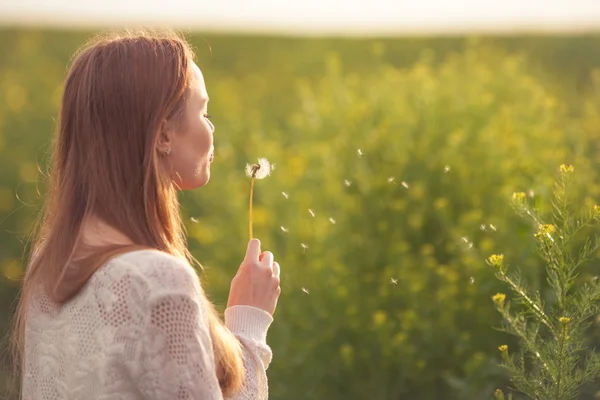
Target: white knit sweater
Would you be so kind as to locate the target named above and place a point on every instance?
(137, 330)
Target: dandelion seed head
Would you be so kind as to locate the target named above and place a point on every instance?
(405, 185)
(260, 170)
(347, 182)
(311, 212)
(287, 196)
(332, 220)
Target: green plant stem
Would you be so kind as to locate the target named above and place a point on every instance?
(250, 214)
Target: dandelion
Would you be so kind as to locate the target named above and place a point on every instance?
(332, 220)
(499, 298)
(311, 212)
(359, 152)
(566, 169)
(347, 182)
(284, 229)
(194, 220)
(305, 290)
(391, 179)
(287, 196)
(393, 281)
(260, 170)
(446, 169)
(496, 260)
(405, 185)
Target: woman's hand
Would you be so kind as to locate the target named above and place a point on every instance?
(257, 280)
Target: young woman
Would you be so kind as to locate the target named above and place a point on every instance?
(111, 307)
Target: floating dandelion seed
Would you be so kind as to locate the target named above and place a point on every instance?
(305, 290)
(347, 182)
(391, 179)
(304, 247)
(465, 239)
(531, 193)
(470, 245)
(287, 196)
(194, 220)
(447, 169)
(284, 229)
(311, 212)
(405, 185)
(492, 227)
(472, 280)
(483, 227)
(260, 170)
(359, 152)
(393, 281)
(332, 220)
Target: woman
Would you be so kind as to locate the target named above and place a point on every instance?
(111, 308)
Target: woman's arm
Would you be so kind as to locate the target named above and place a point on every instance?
(250, 325)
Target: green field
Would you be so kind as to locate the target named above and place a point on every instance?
(397, 295)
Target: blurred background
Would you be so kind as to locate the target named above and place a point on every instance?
(399, 131)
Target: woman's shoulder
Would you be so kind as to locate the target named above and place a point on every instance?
(156, 270)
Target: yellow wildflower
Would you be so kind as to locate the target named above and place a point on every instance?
(499, 298)
(566, 169)
(545, 230)
(564, 320)
(496, 260)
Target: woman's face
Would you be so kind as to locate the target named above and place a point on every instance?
(191, 140)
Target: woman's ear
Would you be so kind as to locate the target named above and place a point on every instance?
(166, 136)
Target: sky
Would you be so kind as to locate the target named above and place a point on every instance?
(313, 16)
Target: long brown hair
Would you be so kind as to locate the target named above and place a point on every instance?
(118, 91)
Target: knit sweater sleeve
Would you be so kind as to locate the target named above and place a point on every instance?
(178, 360)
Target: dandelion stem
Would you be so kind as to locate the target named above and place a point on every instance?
(250, 216)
